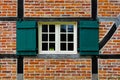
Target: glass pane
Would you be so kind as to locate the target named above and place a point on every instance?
(52, 47)
(70, 37)
(51, 37)
(63, 37)
(44, 37)
(52, 28)
(63, 28)
(70, 46)
(45, 46)
(63, 46)
(70, 28)
(44, 28)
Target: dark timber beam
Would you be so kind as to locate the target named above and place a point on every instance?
(110, 33)
(20, 65)
(94, 58)
(108, 36)
(20, 68)
(20, 12)
(20, 15)
(94, 67)
(94, 9)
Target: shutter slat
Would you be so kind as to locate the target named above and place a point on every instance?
(26, 38)
(88, 37)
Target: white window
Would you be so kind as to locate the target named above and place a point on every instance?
(57, 37)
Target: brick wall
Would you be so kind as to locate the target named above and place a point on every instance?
(109, 69)
(108, 8)
(8, 69)
(57, 8)
(57, 69)
(60, 8)
(60, 69)
(32, 8)
(7, 37)
(8, 8)
(113, 45)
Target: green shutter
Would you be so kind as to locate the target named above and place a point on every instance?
(88, 37)
(26, 38)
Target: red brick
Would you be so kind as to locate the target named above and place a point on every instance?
(109, 8)
(8, 40)
(109, 69)
(32, 8)
(60, 69)
(8, 8)
(8, 69)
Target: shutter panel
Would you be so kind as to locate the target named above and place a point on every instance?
(88, 37)
(26, 38)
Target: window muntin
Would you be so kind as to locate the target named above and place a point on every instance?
(57, 38)
(66, 37)
(48, 37)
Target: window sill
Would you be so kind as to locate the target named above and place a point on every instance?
(59, 53)
(60, 56)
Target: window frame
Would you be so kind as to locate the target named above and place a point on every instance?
(57, 33)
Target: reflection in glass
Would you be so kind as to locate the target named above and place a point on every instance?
(70, 28)
(63, 28)
(44, 37)
(44, 28)
(45, 46)
(52, 46)
(70, 46)
(63, 37)
(63, 46)
(51, 37)
(70, 37)
(52, 28)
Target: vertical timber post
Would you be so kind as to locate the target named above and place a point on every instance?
(94, 58)
(20, 14)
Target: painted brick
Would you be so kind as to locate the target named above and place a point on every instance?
(8, 8)
(8, 69)
(7, 37)
(57, 8)
(108, 8)
(113, 45)
(57, 69)
(109, 69)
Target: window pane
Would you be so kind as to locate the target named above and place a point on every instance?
(44, 37)
(44, 28)
(63, 37)
(70, 37)
(70, 28)
(63, 28)
(52, 46)
(52, 28)
(70, 46)
(45, 46)
(63, 46)
(51, 37)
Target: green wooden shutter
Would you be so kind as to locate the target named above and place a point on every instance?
(26, 38)
(88, 37)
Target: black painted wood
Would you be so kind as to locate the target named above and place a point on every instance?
(8, 56)
(20, 65)
(114, 56)
(94, 9)
(94, 65)
(107, 37)
(20, 12)
(8, 18)
(44, 19)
